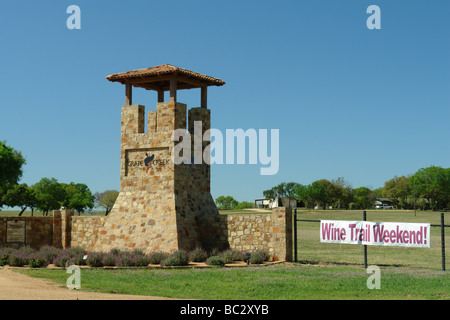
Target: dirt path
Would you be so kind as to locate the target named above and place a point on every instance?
(16, 286)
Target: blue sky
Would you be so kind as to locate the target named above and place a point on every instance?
(349, 102)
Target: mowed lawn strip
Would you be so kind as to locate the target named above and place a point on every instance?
(278, 282)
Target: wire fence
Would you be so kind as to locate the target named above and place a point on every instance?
(299, 250)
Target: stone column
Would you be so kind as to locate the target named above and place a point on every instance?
(57, 229)
(282, 233)
(65, 220)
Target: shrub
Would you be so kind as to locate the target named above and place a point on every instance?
(77, 260)
(4, 259)
(37, 260)
(124, 260)
(178, 258)
(116, 252)
(258, 257)
(4, 255)
(198, 255)
(157, 257)
(140, 260)
(6, 251)
(17, 260)
(109, 260)
(76, 256)
(49, 253)
(95, 259)
(232, 255)
(265, 254)
(27, 250)
(213, 252)
(215, 261)
(75, 251)
(62, 260)
(138, 252)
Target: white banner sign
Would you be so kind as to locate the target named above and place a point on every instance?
(376, 233)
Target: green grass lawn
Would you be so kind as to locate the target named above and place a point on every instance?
(277, 282)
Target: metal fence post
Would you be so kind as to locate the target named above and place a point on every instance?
(365, 246)
(443, 241)
(295, 235)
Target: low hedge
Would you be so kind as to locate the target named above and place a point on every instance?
(76, 256)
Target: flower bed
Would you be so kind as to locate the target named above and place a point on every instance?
(52, 257)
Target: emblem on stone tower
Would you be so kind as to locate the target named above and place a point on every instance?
(148, 161)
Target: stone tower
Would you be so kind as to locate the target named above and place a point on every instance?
(159, 200)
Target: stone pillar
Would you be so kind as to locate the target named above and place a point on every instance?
(62, 228)
(282, 233)
(66, 227)
(57, 229)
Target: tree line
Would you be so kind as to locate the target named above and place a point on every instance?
(48, 194)
(228, 202)
(427, 189)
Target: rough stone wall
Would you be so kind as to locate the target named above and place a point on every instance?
(192, 183)
(244, 232)
(248, 232)
(38, 231)
(85, 231)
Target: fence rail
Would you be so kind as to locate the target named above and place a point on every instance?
(442, 225)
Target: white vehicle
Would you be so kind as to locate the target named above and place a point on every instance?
(384, 206)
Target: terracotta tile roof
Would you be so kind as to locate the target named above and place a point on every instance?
(158, 78)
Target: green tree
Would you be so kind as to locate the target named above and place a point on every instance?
(11, 162)
(106, 199)
(270, 194)
(50, 194)
(378, 192)
(282, 190)
(343, 193)
(302, 194)
(244, 205)
(397, 190)
(433, 184)
(77, 197)
(20, 195)
(289, 189)
(364, 198)
(331, 195)
(318, 192)
(227, 202)
(312, 194)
